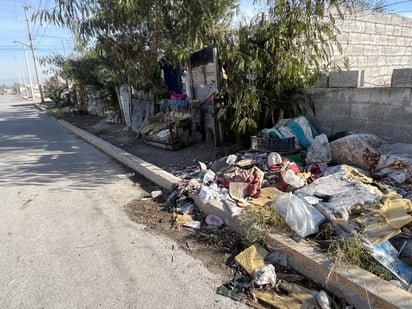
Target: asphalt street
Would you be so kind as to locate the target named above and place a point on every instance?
(65, 240)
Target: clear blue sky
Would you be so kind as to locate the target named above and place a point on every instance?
(51, 40)
(48, 40)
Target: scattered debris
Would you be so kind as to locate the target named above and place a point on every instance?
(348, 185)
(323, 300)
(252, 258)
(214, 220)
(193, 224)
(130, 174)
(356, 186)
(182, 219)
(387, 255)
(265, 275)
(156, 194)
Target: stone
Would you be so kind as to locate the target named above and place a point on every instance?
(346, 79)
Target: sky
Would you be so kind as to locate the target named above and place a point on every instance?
(51, 40)
(47, 40)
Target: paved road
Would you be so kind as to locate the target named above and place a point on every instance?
(65, 240)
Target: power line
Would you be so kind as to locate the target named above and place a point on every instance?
(42, 36)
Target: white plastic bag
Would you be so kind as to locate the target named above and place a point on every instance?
(301, 217)
(292, 179)
(319, 150)
(209, 194)
(265, 275)
(274, 158)
(209, 176)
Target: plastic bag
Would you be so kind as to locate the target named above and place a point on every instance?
(319, 150)
(209, 194)
(396, 167)
(231, 159)
(292, 179)
(274, 158)
(265, 275)
(301, 217)
(209, 176)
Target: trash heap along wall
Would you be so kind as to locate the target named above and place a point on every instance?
(376, 43)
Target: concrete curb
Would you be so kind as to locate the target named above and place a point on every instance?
(357, 286)
(148, 170)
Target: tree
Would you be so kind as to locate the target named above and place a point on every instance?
(271, 58)
(136, 33)
(267, 60)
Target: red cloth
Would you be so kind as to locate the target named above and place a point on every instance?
(278, 167)
(316, 169)
(253, 177)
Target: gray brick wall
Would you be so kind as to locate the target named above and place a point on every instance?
(385, 112)
(375, 43)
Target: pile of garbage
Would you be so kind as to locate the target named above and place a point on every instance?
(359, 183)
(261, 278)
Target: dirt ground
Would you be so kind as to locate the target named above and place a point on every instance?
(123, 137)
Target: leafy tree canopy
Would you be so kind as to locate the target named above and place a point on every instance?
(271, 58)
(267, 60)
(138, 32)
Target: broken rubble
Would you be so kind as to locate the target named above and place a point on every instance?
(265, 286)
(346, 196)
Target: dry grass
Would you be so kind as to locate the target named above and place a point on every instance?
(351, 250)
(256, 220)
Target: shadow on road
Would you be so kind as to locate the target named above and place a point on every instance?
(35, 150)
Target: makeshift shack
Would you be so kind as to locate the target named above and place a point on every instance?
(190, 114)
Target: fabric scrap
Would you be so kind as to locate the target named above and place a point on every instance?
(252, 258)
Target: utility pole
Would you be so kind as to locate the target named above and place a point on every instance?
(21, 80)
(28, 68)
(26, 8)
(67, 82)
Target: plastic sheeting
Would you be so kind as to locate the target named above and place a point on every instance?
(319, 150)
(395, 163)
(340, 192)
(299, 133)
(351, 201)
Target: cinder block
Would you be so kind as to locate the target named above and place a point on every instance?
(391, 96)
(360, 111)
(333, 109)
(401, 78)
(346, 79)
(216, 208)
(322, 81)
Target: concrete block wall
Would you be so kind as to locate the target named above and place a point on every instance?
(376, 43)
(385, 112)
